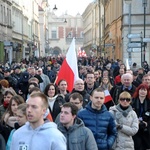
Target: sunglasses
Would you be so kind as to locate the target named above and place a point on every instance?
(125, 99)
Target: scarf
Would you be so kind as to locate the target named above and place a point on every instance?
(5, 104)
(124, 112)
(51, 102)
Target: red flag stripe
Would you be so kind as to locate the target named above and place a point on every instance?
(107, 96)
(69, 69)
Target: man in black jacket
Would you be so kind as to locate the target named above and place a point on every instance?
(90, 83)
(79, 87)
(126, 80)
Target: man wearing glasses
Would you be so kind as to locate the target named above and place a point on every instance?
(79, 88)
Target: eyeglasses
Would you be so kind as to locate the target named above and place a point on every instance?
(125, 99)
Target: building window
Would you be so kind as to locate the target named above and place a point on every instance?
(2, 13)
(70, 34)
(81, 34)
(54, 33)
(8, 17)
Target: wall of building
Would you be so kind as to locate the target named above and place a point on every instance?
(113, 34)
(137, 26)
(5, 28)
(89, 25)
(61, 33)
(93, 19)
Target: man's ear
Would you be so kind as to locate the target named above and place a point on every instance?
(44, 110)
(74, 116)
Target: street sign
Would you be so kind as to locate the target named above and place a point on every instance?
(134, 45)
(8, 43)
(147, 40)
(131, 36)
(133, 50)
(136, 50)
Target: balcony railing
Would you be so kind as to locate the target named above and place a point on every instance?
(77, 40)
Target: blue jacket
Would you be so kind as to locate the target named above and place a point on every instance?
(101, 123)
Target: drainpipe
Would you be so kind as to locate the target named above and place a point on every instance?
(129, 32)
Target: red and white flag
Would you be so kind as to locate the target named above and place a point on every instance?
(69, 68)
(107, 96)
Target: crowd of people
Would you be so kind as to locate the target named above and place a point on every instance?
(36, 114)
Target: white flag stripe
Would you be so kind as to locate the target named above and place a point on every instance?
(71, 59)
(106, 92)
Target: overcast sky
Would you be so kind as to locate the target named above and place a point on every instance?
(72, 7)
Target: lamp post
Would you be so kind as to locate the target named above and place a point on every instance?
(129, 28)
(22, 21)
(99, 28)
(144, 5)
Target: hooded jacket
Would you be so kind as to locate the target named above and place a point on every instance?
(78, 136)
(101, 123)
(44, 137)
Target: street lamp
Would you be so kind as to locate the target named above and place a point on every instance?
(144, 5)
(65, 21)
(55, 8)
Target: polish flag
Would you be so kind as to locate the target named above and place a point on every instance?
(107, 96)
(49, 117)
(69, 68)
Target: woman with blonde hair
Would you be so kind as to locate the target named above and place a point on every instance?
(21, 120)
(9, 117)
(126, 122)
(106, 84)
